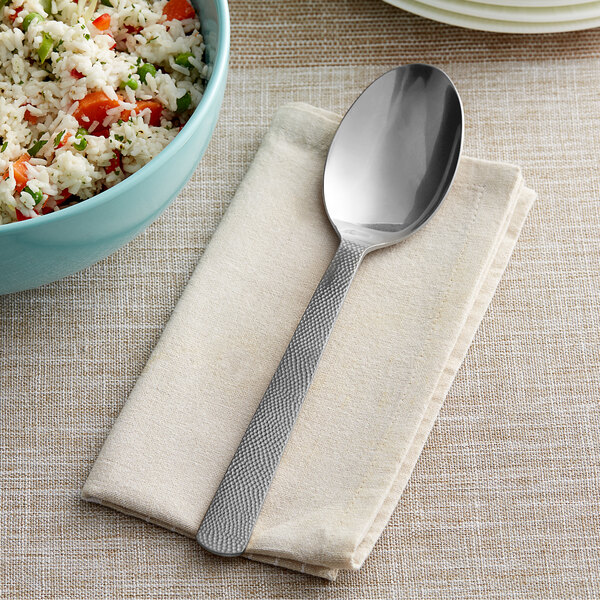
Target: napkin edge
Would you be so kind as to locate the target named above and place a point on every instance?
(525, 199)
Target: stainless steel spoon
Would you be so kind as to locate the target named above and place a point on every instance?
(389, 167)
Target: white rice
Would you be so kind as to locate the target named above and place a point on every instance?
(39, 101)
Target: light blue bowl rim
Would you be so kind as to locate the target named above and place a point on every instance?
(210, 96)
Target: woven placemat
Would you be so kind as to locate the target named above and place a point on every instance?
(371, 32)
(504, 500)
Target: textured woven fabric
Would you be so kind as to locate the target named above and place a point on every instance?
(391, 358)
(367, 32)
(504, 500)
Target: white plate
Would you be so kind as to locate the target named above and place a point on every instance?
(520, 14)
(470, 22)
(533, 3)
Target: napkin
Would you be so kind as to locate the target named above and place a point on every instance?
(399, 340)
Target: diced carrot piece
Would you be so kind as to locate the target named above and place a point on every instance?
(102, 23)
(62, 197)
(20, 172)
(94, 106)
(14, 16)
(64, 140)
(52, 202)
(178, 10)
(155, 107)
(30, 118)
(115, 163)
(76, 74)
(21, 216)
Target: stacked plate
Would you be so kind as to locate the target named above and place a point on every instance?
(509, 16)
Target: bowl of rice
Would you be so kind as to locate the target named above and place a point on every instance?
(106, 107)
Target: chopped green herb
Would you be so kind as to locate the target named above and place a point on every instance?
(81, 144)
(58, 138)
(47, 6)
(60, 43)
(183, 60)
(30, 18)
(184, 102)
(45, 47)
(3, 3)
(3, 148)
(152, 39)
(118, 137)
(146, 69)
(37, 196)
(36, 147)
(106, 3)
(130, 83)
(87, 36)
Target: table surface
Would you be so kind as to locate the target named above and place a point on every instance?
(504, 500)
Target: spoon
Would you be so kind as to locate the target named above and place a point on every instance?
(389, 167)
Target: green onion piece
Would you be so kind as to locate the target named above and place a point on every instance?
(81, 131)
(58, 138)
(36, 147)
(145, 69)
(183, 60)
(184, 102)
(37, 196)
(131, 83)
(47, 6)
(81, 144)
(3, 3)
(30, 18)
(4, 146)
(106, 3)
(45, 47)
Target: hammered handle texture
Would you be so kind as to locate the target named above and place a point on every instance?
(233, 511)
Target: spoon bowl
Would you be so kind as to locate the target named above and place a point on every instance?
(394, 156)
(389, 167)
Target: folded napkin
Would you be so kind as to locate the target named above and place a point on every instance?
(403, 331)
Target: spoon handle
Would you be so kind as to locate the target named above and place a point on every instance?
(234, 509)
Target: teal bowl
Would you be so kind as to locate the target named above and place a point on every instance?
(41, 250)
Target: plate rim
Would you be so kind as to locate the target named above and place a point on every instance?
(491, 25)
(520, 14)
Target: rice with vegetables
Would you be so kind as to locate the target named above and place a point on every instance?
(89, 93)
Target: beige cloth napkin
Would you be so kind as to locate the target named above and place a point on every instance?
(403, 331)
